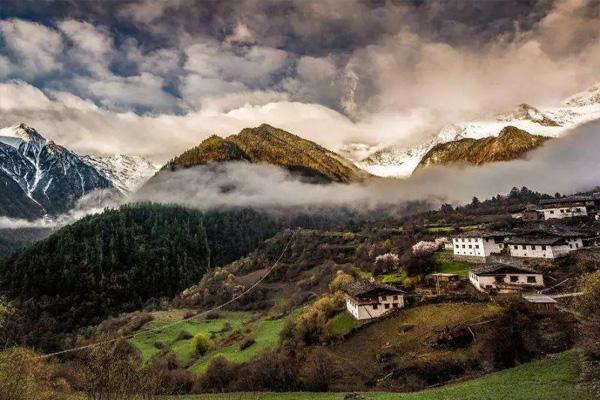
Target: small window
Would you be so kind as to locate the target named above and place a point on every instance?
(524, 247)
(374, 306)
(383, 298)
(516, 247)
(476, 246)
(470, 246)
(395, 297)
(387, 306)
(514, 278)
(395, 305)
(532, 247)
(464, 246)
(531, 279)
(544, 248)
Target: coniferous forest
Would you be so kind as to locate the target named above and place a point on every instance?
(120, 259)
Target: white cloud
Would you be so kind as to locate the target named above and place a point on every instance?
(92, 46)
(35, 47)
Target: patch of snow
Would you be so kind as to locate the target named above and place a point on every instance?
(127, 172)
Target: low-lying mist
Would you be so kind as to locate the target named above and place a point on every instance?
(565, 165)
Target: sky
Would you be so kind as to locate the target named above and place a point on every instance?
(154, 78)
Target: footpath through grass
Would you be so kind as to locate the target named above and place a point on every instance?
(553, 378)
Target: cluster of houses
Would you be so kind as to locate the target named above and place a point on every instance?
(499, 257)
(559, 208)
(478, 246)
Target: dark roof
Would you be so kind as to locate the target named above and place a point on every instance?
(530, 239)
(359, 288)
(569, 199)
(498, 268)
(484, 234)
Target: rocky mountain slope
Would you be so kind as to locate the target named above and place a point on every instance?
(126, 172)
(40, 177)
(266, 144)
(510, 144)
(401, 161)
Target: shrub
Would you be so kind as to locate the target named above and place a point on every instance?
(340, 280)
(246, 344)
(218, 376)
(201, 344)
(21, 375)
(386, 262)
(318, 372)
(184, 335)
(271, 371)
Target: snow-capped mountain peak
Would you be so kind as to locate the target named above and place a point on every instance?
(526, 112)
(41, 177)
(588, 97)
(400, 161)
(127, 172)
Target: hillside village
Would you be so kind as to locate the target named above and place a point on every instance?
(509, 262)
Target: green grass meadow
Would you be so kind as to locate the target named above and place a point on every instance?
(448, 265)
(553, 378)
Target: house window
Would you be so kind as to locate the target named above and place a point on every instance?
(395, 305)
(383, 298)
(395, 297)
(514, 278)
(516, 247)
(531, 279)
(374, 306)
(532, 247)
(387, 306)
(544, 248)
(552, 212)
(524, 247)
(464, 246)
(476, 246)
(470, 246)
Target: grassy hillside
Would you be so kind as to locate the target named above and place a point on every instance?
(554, 378)
(510, 144)
(229, 331)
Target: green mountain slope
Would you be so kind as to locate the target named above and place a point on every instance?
(120, 259)
(510, 144)
(266, 144)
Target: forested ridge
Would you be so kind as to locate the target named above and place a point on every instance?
(120, 259)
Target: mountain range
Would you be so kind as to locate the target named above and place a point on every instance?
(41, 178)
(402, 161)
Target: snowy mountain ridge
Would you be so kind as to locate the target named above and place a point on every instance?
(401, 161)
(126, 172)
(39, 177)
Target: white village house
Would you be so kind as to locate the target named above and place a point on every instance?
(505, 278)
(567, 207)
(366, 300)
(543, 244)
(478, 245)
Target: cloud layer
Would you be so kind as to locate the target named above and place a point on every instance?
(153, 78)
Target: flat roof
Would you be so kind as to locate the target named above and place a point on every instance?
(538, 298)
(498, 268)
